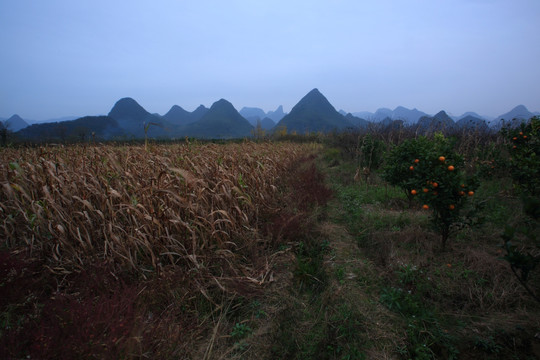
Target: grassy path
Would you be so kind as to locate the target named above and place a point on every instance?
(369, 282)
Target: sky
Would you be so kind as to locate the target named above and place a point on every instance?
(74, 58)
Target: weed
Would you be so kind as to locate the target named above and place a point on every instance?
(240, 331)
(340, 274)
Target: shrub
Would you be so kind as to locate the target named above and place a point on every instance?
(524, 146)
(433, 172)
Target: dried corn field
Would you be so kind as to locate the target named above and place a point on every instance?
(184, 205)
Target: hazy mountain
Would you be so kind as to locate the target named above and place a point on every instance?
(178, 116)
(472, 123)
(313, 113)
(399, 113)
(252, 112)
(15, 123)
(390, 124)
(58, 119)
(277, 114)
(363, 115)
(514, 116)
(343, 112)
(408, 116)
(132, 117)
(357, 121)
(472, 114)
(267, 123)
(98, 127)
(199, 112)
(439, 122)
(381, 114)
(221, 121)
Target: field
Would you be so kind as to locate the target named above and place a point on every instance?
(297, 249)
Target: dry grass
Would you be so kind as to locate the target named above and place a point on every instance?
(175, 239)
(141, 210)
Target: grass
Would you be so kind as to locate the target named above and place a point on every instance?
(284, 256)
(436, 296)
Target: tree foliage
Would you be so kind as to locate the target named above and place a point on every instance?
(431, 171)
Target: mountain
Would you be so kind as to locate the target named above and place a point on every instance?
(408, 116)
(59, 119)
(15, 123)
(277, 114)
(267, 123)
(98, 127)
(177, 115)
(381, 114)
(199, 112)
(470, 122)
(399, 113)
(513, 117)
(132, 117)
(252, 112)
(221, 121)
(357, 121)
(313, 113)
(363, 115)
(470, 113)
(439, 122)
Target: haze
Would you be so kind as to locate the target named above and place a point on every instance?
(63, 58)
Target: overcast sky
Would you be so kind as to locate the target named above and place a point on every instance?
(65, 57)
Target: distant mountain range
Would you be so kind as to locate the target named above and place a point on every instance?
(127, 119)
(14, 123)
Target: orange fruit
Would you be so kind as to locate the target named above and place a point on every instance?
(414, 192)
(462, 185)
(521, 133)
(435, 184)
(470, 193)
(411, 168)
(452, 207)
(514, 138)
(451, 168)
(416, 161)
(514, 147)
(442, 158)
(462, 193)
(524, 136)
(425, 207)
(425, 190)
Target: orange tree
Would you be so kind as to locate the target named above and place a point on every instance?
(524, 147)
(432, 172)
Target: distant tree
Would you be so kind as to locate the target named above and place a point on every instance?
(281, 131)
(81, 132)
(258, 131)
(62, 132)
(4, 133)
